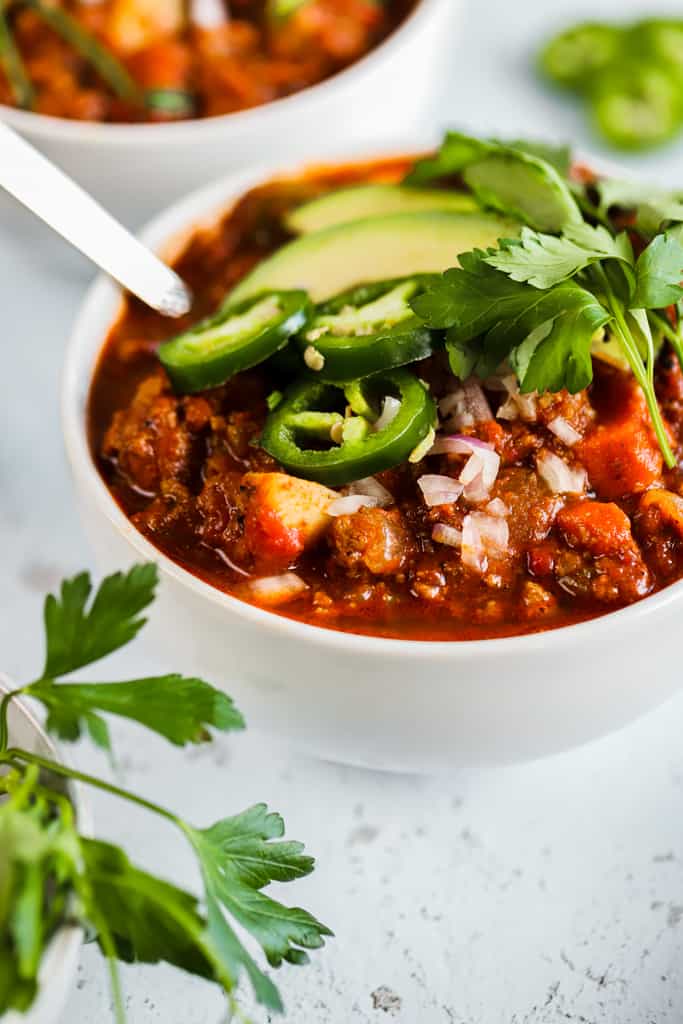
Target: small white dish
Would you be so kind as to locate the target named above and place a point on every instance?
(389, 704)
(135, 169)
(60, 962)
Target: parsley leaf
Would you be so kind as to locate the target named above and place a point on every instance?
(39, 855)
(179, 708)
(545, 260)
(76, 636)
(238, 859)
(48, 873)
(659, 271)
(558, 324)
(174, 706)
(150, 920)
(514, 181)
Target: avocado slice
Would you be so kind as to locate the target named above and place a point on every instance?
(375, 249)
(360, 201)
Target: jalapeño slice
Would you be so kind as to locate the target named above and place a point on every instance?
(299, 432)
(234, 339)
(365, 330)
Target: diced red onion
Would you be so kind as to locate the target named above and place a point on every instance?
(453, 409)
(527, 406)
(475, 492)
(516, 405)
(457, 444)
(564, 430)
(373, 488)
(561, 478)
(480, 470)
(448, 535)
(278, 589)
(465, 406)
(483, 535)
(439, 490)
(348, 504)
(453, 401)
(390, 408)
(476, 401)
(497, 507)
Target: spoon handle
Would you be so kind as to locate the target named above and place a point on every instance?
(64, 206)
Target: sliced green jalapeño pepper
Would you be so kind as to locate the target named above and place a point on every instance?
(299, 433)
(234, 339)
(365, 330)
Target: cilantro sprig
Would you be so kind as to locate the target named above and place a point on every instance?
(52, 875)
(541, 300)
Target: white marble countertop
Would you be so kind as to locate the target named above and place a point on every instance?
(531, 895)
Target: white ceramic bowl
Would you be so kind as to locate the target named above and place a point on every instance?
(136, 169)
(390, 704)
(59, 965)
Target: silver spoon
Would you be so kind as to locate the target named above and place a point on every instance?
(71, 212)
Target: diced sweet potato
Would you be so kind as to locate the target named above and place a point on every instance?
(284, 515)
(603, 561)
(600, 528)
(136, 23)
(620, 453)
(162, 65)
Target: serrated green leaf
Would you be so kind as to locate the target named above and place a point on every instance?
(77, 636)
(150, 919)
(477, 301)
(179, 708)
(462, 356)
(659, 271)
(238, 858)
(543, 260)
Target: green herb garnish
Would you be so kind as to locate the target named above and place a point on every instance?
(52, 875)
(538, 301)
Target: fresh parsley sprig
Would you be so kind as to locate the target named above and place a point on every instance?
(52, 875)
(538, 301)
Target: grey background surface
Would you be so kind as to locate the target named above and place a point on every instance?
(538, 894)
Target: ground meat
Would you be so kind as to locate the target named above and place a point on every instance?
(531, 508)
(659, 526)
(372, 540)
(574, 409)
(221, 506)
(154, 441)
(171, 509)
(669, 388)
(536, 602)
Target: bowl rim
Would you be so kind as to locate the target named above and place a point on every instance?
(166, 233)
(48, 127)
(66, 942)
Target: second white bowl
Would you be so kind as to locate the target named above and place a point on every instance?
(136, 169)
